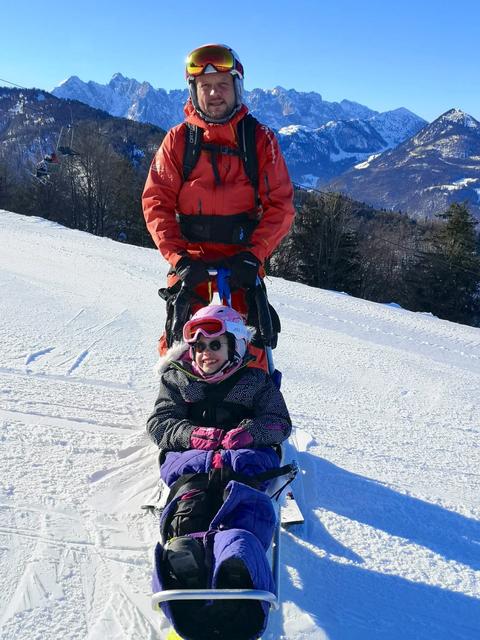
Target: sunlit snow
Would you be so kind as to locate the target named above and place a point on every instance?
(364, 165)
(386, 408)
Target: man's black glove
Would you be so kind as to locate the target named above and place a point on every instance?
(244, 270)
(191, 272)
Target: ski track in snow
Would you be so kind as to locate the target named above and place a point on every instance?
(385, 404)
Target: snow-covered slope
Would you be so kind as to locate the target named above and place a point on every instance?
(385, 404)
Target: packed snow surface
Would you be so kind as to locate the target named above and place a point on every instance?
(386, 411)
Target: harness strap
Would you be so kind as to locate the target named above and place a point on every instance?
(235, 228)
(247, 150)
(246, 134)
(220, 148)
(217, 479)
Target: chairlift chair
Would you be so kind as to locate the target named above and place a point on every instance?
(66, 148)
(41, 170)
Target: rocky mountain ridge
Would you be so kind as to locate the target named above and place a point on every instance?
(320, 139)
(423, 175)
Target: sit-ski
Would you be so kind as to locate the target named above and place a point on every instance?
(288, 513)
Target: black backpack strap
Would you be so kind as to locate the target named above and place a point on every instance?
(193, 146)
(246, 130)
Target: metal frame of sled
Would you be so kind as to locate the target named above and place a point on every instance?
(214, 594)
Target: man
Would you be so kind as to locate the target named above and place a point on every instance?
(201, 207)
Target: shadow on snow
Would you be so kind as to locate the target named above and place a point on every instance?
(350, 602)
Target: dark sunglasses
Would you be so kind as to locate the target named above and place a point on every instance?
(214, 345)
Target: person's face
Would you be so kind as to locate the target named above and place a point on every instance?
(211, 353)
(215, 94)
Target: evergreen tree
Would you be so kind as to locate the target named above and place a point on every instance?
(446, 278)
(321, 249)
(387, 242)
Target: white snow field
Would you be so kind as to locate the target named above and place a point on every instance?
(386, 408)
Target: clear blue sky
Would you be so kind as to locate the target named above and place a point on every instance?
(423, 54)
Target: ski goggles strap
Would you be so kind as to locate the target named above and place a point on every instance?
(221, 58)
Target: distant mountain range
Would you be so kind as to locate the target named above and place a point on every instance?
(320, 139)
(392, 160)
(128, 98)
(423, 175)
(316, 156)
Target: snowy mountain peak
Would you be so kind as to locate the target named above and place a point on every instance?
(455, 121)
(442, 161)
(119, 79)
(122, 85)
(402, 111)
(71, 80)
(457, 116)
(278, 90)
(355, 110)
(118, 76)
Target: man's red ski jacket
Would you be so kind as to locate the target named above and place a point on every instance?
(166, 194)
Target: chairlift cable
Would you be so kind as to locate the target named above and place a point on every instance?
(58, 139)
(12, 83)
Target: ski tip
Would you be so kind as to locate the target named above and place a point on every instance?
(153, 509)
(290, 513)
(148, 508)
(173, 635)
(291, 523)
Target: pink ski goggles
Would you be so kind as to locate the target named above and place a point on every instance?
(212, 328)
(208, 327)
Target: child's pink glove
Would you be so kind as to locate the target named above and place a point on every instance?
(206, 438)
(238, 438)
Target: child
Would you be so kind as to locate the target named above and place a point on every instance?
(209, 399)
(217, 422)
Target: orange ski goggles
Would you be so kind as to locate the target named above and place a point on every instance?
(221, 58)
